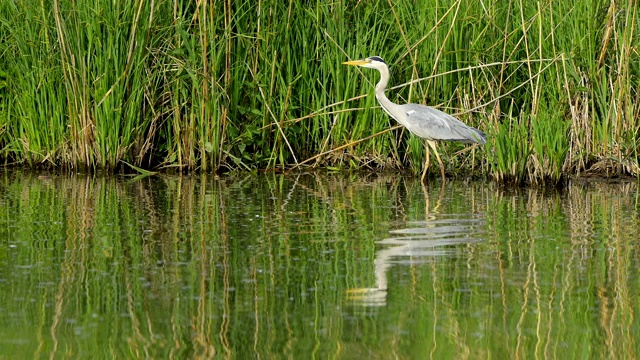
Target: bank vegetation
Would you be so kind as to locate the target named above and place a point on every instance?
(227, 85)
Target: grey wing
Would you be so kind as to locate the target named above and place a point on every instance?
(433, 124)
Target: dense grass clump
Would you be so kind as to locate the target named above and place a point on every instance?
(222, 85)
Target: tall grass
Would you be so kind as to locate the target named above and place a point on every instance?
(223, 85)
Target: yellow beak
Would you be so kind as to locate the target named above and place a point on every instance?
(355, 62)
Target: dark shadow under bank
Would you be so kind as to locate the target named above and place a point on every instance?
(586, 178)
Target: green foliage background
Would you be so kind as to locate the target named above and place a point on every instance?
(224, 85)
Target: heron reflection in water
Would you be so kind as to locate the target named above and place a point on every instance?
(437, 235)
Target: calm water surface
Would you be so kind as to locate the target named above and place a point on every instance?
(315, 266)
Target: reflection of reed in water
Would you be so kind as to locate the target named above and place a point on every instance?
(435, 236)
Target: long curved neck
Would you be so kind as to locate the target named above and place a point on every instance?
(386, 104)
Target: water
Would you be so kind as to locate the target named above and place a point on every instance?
(315, 266)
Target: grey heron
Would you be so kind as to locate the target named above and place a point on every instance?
(423, 121)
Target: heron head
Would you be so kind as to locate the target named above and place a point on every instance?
(373, 62)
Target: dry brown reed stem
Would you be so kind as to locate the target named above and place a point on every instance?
(343, 146)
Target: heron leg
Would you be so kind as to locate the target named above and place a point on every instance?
(432, 144)
(426, 165)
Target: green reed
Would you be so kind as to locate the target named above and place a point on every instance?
(550, 147)
(511, 151)
(224, 85)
